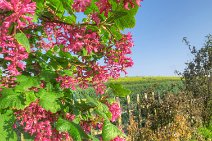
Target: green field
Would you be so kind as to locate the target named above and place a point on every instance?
(158, 84)
(146, 79)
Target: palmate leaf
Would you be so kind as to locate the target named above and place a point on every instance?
(11, 99)
(110, 131)
(30, 97)
(25, 82)
(74, 130)
(122, 18)
(6, 131)
(48, 100)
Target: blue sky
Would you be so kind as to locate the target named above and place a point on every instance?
(160, 28)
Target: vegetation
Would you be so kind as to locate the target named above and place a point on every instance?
(48, 59)
(162, 114)
(159, 85)
(198, 76)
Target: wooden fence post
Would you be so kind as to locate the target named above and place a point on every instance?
(139, 110)
(128, 108)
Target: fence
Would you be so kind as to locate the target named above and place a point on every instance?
(133, 109)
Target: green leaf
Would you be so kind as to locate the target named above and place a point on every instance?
(84, 101)
(48, 75)
(26, 82)
(75, 130)
(90, 9)
(93, 138)
(103, 111)
(116, 15)
(28, 137)
(66, 5)
(0, 71)
(35, 18)
(48, 100)
(39, 5)
(6, 131)
(119, 90)
(110, 131)
(69, 19)
(30, 97)
(57, 6)
(23, 40)
(80, 130)
(63, 125)
(66, 72)
(11, 99)
(126, 19)
(84, 52)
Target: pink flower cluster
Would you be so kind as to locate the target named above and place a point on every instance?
(69, 116)
(117, 59)
(119, 139)
(131, 3)
(115, 109)
(7, 82)
(67, 82)
(36, 121)
(81, 5)
(105, 5)
(78, 39)
(73, 38)
(22, 12)
(86, 126)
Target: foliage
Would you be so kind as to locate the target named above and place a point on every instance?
(49, 59)
(206, 132)
(197, 76)
(160, 85)
(172, 117)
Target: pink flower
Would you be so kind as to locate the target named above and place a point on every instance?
(115, 110)
(81, 5)
(83, 43)
(21, 10)
(131, 3)
(85, 126)
(104, 6)
(70, 117)
(67, 82)
(118, 139)
(95, 18)
(38, 122)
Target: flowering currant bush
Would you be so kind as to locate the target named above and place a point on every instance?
(55, 65)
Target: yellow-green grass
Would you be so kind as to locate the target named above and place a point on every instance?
(146, 79)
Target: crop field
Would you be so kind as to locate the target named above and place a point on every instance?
(158, 84)
(146, 79)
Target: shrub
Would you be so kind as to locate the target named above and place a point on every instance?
(197, 76)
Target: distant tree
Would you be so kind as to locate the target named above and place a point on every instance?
(198, 76)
